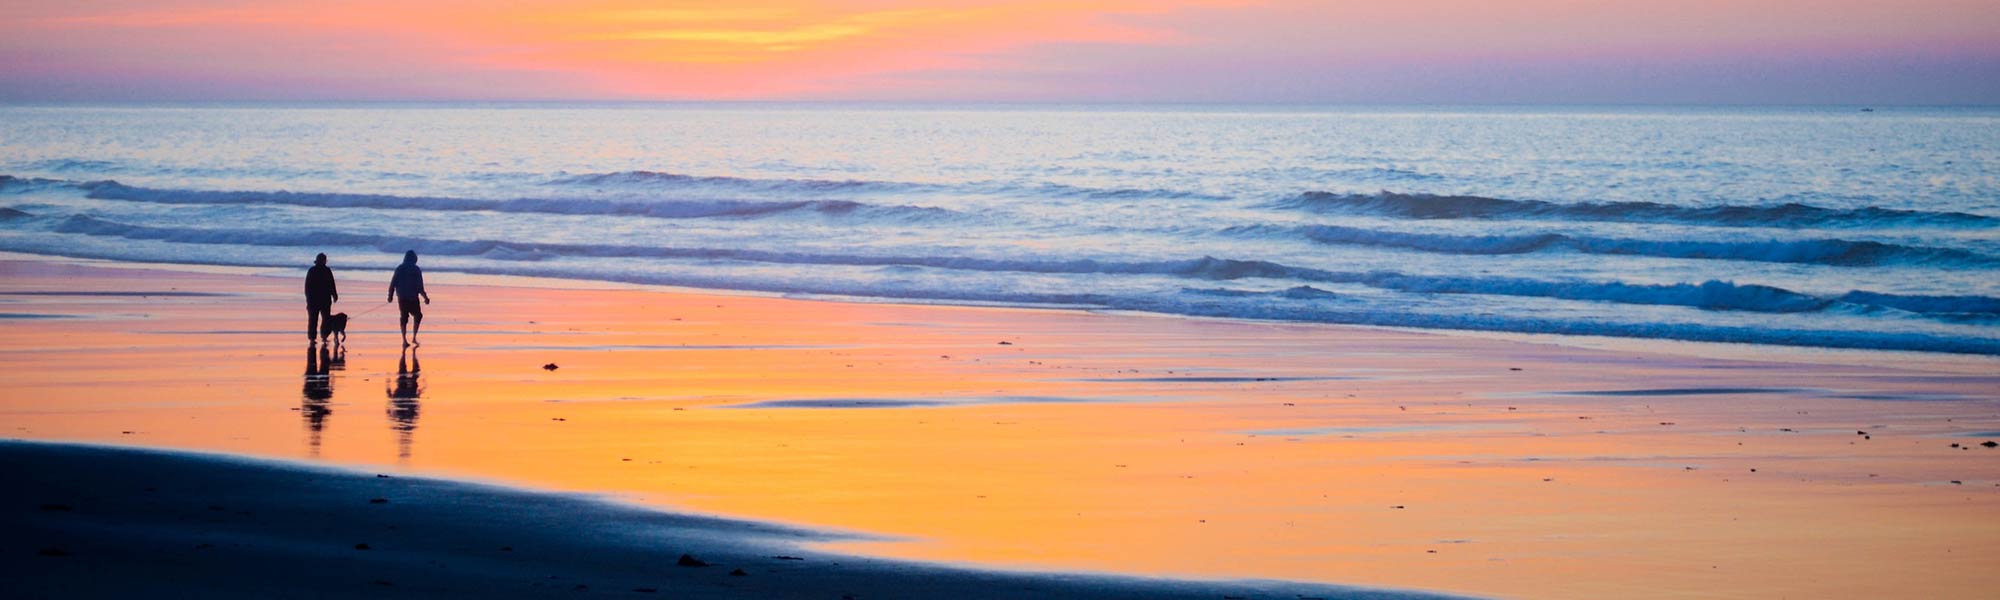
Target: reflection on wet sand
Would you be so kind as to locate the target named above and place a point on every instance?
(316, 404)
(403, 401)
(1195, 448)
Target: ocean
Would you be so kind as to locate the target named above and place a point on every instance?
(1828, 227)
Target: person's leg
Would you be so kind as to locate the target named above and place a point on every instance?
(404, 326)
(312, 323)
(416, 327)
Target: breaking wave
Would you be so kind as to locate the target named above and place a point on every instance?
(1709, 295)
(1837, 252)
(1429, 206)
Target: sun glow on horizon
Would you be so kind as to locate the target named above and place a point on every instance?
(1174, 50)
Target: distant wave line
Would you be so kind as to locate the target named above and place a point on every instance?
(1790, 214)
(1824, 251)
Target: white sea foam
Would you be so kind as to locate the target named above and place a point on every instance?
(1889, 239)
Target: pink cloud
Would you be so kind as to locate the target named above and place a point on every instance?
(1280, 50)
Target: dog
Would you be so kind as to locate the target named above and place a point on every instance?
(334, 325)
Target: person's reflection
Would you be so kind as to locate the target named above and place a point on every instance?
(318, 395)
(403, 401)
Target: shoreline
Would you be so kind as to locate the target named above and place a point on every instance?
(1802, 354)
(1052, 440)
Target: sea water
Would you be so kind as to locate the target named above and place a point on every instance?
(1826, 227)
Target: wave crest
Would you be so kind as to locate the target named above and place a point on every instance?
(1834, 252)
(1792, 214)
(663, 209)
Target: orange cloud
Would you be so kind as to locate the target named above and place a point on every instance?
(937, 49)
(789, 48)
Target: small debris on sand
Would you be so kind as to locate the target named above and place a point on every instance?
(688, 560)
(361, 546)
(1005, 343)
(646, 590)
(550, 367)
(738, 573)
(378, 500)
(787, 558)
(1989, 443)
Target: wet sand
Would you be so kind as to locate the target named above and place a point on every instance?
(1069, 441)
(107, 522)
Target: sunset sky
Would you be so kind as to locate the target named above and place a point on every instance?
(1335, 51)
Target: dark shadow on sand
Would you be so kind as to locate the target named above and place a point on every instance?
(106, 522)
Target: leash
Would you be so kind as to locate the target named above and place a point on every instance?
(377, 307)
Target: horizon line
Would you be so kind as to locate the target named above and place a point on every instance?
(959, 103)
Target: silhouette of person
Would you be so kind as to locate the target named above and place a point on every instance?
(318, 392)
(403, 401)
(320, 296)
(409, 282)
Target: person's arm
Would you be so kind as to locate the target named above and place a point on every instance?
(420, 288)
(331, 286)
(398, 277)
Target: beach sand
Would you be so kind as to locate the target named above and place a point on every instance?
(1031, 441)
(118, 522)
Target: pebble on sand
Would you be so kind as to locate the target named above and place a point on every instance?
(688, 560)
(550, 367)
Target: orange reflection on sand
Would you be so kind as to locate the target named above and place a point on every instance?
(1132, 444)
